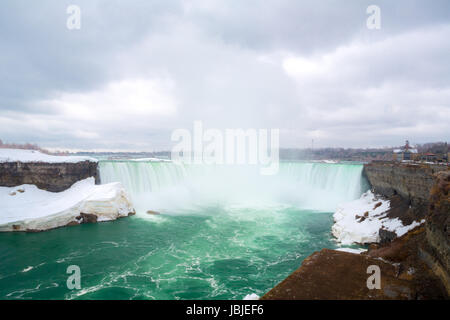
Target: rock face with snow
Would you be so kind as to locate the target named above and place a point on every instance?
(361, 220)
(51, 173)
(28, 208)
(405, 187)
(414, 259)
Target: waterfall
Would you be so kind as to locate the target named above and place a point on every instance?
(167, 186)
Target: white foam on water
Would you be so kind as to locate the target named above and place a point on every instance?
(251, 296)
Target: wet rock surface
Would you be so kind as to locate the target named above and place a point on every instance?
(386, 236)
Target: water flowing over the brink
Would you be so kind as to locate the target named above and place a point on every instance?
(165, 186)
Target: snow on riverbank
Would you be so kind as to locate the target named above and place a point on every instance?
(351, 250)
(28, 208)
(19, 155)
(359, 221)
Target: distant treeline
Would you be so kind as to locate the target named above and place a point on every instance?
(30, 146)
(128, 155)
(345, 154)
(357, 154)
(433, 147)
(25, 146)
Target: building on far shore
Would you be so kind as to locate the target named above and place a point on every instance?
(431, 152)
(437, 153)
(405, 153)
(429, 157)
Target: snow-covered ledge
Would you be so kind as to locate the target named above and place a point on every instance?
(27, 208)
(47, 172)
(359, 221)
(27, 156)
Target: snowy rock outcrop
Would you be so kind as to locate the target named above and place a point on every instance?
(47, 172)
(27, 208)
(361, 220)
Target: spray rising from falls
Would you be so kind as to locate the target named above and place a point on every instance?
(170, 187)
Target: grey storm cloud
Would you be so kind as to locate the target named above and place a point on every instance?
(136, 70)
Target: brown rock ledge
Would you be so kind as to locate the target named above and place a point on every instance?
(337, 275)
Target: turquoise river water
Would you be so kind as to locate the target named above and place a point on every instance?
(223, 233)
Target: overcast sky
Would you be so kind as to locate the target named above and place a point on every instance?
(137, 70)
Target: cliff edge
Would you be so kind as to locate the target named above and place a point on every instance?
(406, 185)
(40, 192)
(413, 266)
(47, 172)
(436, 252)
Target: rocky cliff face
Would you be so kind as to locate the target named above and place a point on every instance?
(414, 266)
(418, 191)
(411, 181)
(54, 177)
(437, 251)
(338, 275)
(406, 185)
